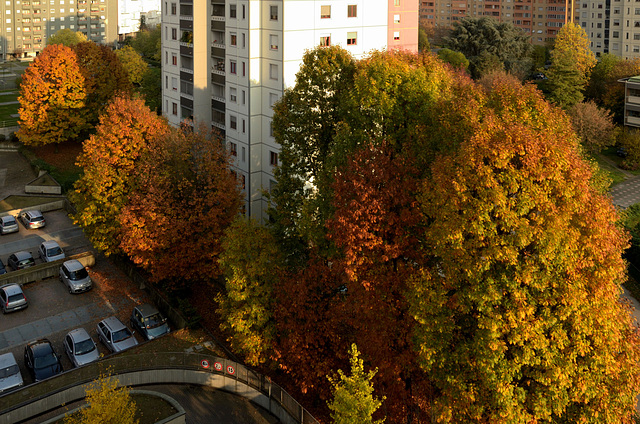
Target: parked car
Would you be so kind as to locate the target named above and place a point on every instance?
(20, 260)
(75, 276)
(32, 219)
(3, 270)
(12, 298)
(8, 224)
(80, 347)
(50, 251)
(10, 377)
(115, 335)
(41, 359)
(149, 322)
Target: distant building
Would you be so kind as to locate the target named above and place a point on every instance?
(631, 101)
(131, 13)
(225, 63)
(27, 24)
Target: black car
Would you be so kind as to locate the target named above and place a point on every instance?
(151, 324)
(20, 260)
(41, 359)
(3, 270)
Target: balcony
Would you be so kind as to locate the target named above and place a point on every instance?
(632, 120)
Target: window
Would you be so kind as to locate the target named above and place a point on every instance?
(166, 7)
(243, 180)
(233, 148)
(396, 35)
(244, 96)
(273, 12)
(273, 159)
(232, 10)
(244, 69)
(233, 122)
(173, 8)
(325, 40)
(244, 154)
(175, 108)
(234, 39)
(166, 82)
(174, 59)
(352, 38)
(174, 84)
(233, 94)
(273, 71)
(244, 15)
(232, 66)
(174, 33)
(271, 129)
(352, 11)
(396, 2)
(244, 126)
(244, 40)
(273, 98)
(396, 19)
(273, 42)
(325, 12)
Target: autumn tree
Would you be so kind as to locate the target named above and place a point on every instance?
(252, 264)
(107, 404)
(67, 38)
(132, 63)
(52, 98)
(612, 97)
(593, 125)
(353, 401)
(108, 159)
(519, 317)
(480, 39)
(182, 198)
(104, 77)
(571, 64)
(629, 140)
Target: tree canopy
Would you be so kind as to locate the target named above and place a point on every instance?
(107, 403)
(132, 63)
(67, 38)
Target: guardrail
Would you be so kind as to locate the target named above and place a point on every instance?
(133, 369)
(45, 270)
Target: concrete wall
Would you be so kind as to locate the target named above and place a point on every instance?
(45, 270)
(53, 205)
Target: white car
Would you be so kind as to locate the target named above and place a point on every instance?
(80, 347)
(50, 251)
(8, 224)
(115, 335)
(10, 377)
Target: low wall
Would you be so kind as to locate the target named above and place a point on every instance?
(177, 418)
(45, 270)
(53, 205)
(42, 189)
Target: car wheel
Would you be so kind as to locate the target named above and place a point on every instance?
(70, 291)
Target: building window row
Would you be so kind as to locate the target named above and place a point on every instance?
(352, 39)
(352, 11)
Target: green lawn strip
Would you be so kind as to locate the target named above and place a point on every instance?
(614, 172)
(149, 409)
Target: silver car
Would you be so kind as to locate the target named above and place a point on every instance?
(32, 219)
(10, 377)
(12, 298)
(50, 251)
(75, 276)
(80, 347)
(8, 224)
(115, 335)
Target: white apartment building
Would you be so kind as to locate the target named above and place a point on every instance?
(226, 62)
(130, 11)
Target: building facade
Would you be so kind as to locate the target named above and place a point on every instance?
(132, 12)
(227, 67)
(26, 24)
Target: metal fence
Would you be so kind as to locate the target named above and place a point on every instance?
(147, 368)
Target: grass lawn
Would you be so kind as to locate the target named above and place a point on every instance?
(59, 160)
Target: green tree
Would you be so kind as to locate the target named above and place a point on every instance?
(353, 401)
(600, 77)
(252, 264)
(181, 199)
(107, 404)
(148, 43)
(52, 98)
(133, 64)
(571, 64)
(108, 159)
(455, 59)
(629, 140)
(151, 89)
(477, 38)
(67, 38)
(519, 318)
(423, 40)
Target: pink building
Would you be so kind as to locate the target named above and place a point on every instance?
(403, 25)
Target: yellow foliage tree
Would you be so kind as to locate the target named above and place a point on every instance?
(107, 404)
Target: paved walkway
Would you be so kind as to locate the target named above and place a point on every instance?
(626, 193)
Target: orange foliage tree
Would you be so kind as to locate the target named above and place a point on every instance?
(109, 158)
(183, 198)
(52, 98)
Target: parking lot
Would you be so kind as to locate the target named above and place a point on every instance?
(52, 311)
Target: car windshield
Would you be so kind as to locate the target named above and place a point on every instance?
(9, 371)
(85, 346)
(15, 297)
(79, 274)
(27, 262)
(153, 321)
(37, 219)
(54, 251)
(121, 335)
(45, 361)
(10, 221)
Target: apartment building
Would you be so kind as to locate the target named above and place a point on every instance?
(131, 12)
(26, 24)
(539, 19)
(225, 63)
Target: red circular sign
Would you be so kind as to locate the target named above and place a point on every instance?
(231, 370)
(217, 366)
(205, 364)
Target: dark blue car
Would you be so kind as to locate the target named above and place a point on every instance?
(41, 360)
